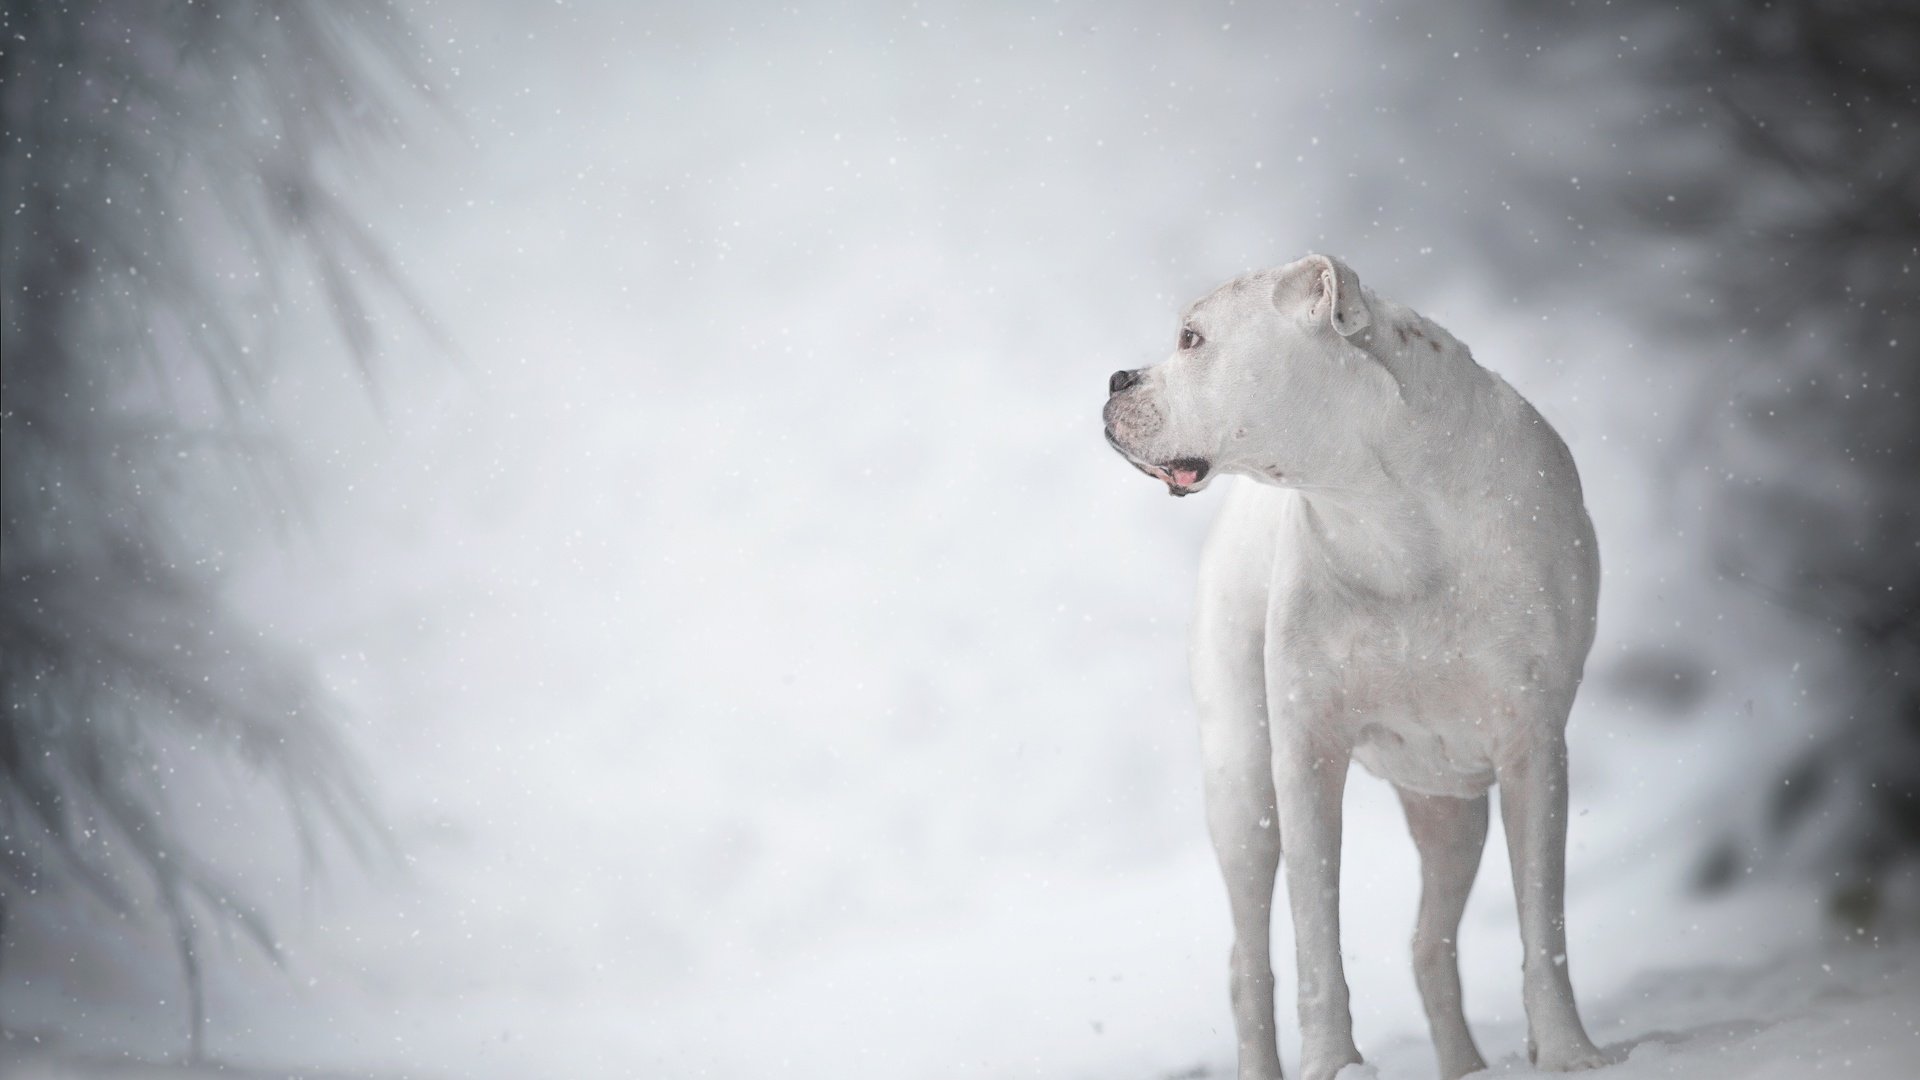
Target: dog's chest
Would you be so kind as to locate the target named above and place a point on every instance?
(1422, 691)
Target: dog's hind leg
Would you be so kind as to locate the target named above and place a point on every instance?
(1231, 694)
(1450, 833)
(1533, 808)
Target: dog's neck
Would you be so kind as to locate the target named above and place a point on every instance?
(1372, 503)
(1374, 510)
(1370, 530)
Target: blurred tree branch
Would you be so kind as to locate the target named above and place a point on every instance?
(1786, 149)
(163, 176)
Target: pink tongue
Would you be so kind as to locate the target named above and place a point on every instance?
(1185, 477)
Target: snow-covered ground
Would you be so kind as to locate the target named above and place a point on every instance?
(1846, 1013)
(771, 672)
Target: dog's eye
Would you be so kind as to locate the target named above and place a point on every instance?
(1189, 338)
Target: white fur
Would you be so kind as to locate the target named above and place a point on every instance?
(1406, 578)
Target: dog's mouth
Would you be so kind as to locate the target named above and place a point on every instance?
(1183, 476)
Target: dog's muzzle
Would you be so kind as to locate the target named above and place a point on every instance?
(1183, 476)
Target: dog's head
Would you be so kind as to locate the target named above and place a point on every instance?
(1263, 381)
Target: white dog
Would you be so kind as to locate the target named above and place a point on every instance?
(1409, 581)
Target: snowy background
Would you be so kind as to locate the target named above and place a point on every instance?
(768, 670)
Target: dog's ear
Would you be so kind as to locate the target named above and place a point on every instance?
(1327, 288)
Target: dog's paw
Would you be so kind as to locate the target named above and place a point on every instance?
(1342, 1067)
(1580, 1055)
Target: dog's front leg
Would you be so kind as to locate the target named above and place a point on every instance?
(1533, 808)
(1310, 776)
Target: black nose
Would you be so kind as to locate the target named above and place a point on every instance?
(1120, 380)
